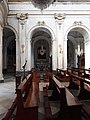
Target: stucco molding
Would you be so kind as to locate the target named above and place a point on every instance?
(22, 16)
(78, 23)
(41, 23)
(59, 16)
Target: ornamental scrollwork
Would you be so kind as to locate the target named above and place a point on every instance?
(22, 16)
(59, 16)
(41, 23)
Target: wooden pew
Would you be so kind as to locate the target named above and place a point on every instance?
(25, 105)
(79, 71)
(82, 83)
(70, 106)
(62, 75)
(11, 113)
(48, 113)
(47, 75)
(27, 100)
(86, 112)
(18, 80)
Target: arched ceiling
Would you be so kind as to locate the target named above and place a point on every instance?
(54, 0)
(7, 33)
(41, 32)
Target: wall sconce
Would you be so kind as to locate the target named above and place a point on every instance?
(22, 46)
(60, 46)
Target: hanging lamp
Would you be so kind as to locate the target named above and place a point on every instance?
(42, 4)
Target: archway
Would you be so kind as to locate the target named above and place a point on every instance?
(76, 47)
(41, 49)
(9, 51)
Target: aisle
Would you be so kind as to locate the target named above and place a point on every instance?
(7, 94)
(55, 105)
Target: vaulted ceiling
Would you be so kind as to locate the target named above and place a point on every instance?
(54, 0)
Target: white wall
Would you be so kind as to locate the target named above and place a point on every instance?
(79, 13)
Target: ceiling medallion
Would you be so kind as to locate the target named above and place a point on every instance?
(42, 4)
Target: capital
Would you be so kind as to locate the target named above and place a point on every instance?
(22, 16)
(59, 16)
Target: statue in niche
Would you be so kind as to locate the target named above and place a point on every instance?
(41, 51)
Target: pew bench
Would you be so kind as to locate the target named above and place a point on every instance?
(86, 112)
(48, 113)
(81, 81)
(22, 92)
(27, 101)
(62, 75)
(78, 82)
(70, 106)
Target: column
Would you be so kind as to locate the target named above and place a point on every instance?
(28, 54)
(18, 64)
(1, 55)
(87, 54)
(59, 29)
(5, 56)
(22, 19)
(65, 55)
(54, 55)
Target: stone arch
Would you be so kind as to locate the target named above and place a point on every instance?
(46, 30)
(30, 33)
(9, 49)
(84, 31)
(14, 30)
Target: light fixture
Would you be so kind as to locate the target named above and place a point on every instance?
(42, 4)
(79, 51)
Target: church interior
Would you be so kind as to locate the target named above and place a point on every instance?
(44, 60)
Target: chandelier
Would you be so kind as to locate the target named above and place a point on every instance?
(42, 4)
(79, 51)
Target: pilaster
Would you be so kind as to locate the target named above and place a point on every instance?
(1, 64)
(87, 52)
(22, 19)
(59, 19)
(54, 55)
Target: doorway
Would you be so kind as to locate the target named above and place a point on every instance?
(9, 51)
(75, 49)
(41, 49)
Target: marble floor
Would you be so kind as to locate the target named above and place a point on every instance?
(7, 95)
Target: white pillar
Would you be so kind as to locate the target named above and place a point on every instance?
(76, 58)
(28, 55)
(60, 46)
(87, 54)
(65, 54)
(22, 37)
(5, 56)
(54, 55)
(22, 43)
(18, 64)
(59, 34)
(1, 74)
